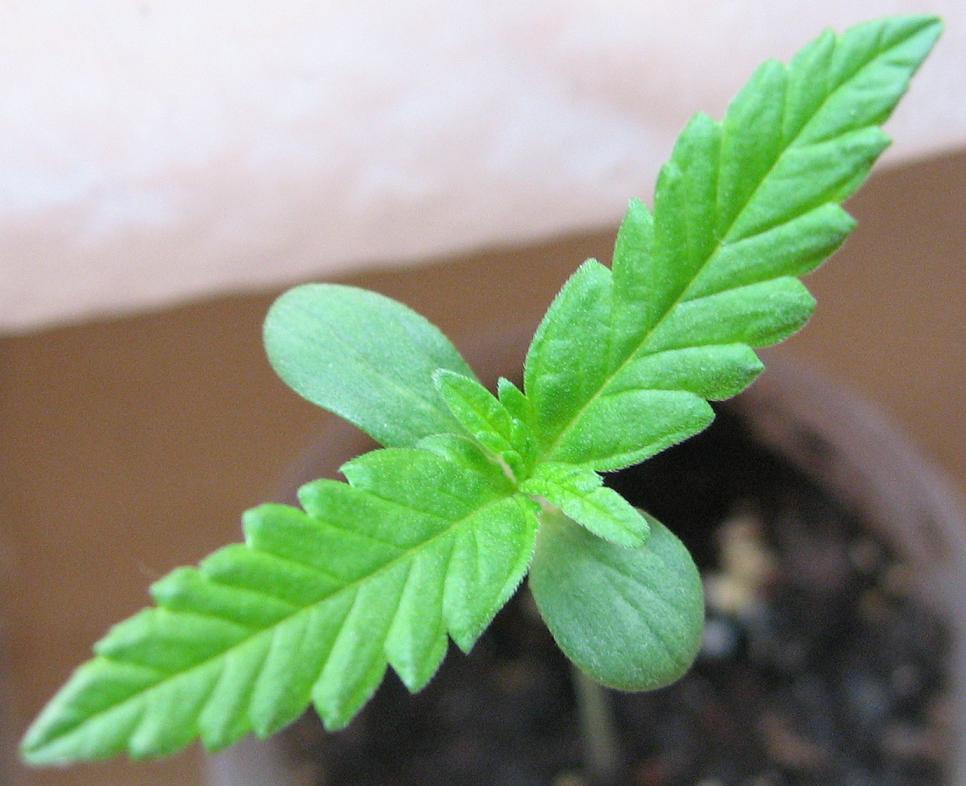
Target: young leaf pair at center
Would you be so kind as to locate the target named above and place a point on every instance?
(576, 490)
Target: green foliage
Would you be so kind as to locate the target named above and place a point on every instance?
(580, 494)
(741, 209)
(488, 421)
(431, 535)
(630, 617)
(365, 357)
(311, 608)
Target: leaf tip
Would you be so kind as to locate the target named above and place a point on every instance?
(32, 746)
(41, 745)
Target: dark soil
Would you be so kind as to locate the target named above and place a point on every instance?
(818, 666)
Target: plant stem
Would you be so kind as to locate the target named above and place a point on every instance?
(602, 757)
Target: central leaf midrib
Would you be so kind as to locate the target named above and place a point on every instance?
(268, 630)
(635, 352)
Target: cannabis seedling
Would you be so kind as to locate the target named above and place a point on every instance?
(430, 536)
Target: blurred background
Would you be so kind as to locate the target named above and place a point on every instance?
(170, 168)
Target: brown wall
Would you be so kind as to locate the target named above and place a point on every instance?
(131, 446)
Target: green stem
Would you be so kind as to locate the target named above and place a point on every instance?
(602, 759)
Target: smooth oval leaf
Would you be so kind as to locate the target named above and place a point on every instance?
(365, 357)
(631, 618)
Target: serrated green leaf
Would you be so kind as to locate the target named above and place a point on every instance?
(742, 209)
(313, 607)
(579, 492)
(485, 418)
(365, 357)
(631, 618)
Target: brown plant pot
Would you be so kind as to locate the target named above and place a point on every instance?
(832, 437)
